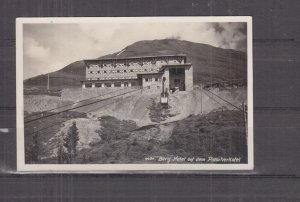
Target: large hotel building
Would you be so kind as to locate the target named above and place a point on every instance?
(153, 72)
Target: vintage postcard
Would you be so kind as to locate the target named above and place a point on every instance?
(134, 94)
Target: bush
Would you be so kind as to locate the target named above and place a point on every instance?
(158, 113)
(114, 129)
(71, 141)
(33, 148)
(62, 156)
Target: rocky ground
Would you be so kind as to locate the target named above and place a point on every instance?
(135, 131)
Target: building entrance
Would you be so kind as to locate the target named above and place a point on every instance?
(177, 79)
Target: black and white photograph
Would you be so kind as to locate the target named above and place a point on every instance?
(134, 94)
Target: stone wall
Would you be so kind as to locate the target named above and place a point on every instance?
(76, 94)
(189, 78)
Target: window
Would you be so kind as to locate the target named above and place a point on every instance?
(118, 71)
(107, 84)
(146, 79)
(131, 70)
(117, 84)
(98, 72)
(90, 72)
(88, 85)
(177, 71)
(156, 79)
(104, 72)
(98, 85)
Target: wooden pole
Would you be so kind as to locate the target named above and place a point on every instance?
(201, 97)
(245, 116)
(48, 83)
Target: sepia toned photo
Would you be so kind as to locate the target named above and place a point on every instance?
(134, 94)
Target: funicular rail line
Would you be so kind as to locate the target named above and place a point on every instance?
(59, 123)
(32, 120)
(98, 101)
(49, 110)
(225, 100)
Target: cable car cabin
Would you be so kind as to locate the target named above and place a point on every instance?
(164, 99)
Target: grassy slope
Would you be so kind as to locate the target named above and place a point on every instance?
(210, 64)
(217, 134)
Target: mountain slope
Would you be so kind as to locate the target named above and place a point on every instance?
(211, 64)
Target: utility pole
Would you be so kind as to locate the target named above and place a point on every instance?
(245, 116)
(48, 83)
(201, 97)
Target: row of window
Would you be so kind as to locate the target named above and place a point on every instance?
(123, 64)
(112, 78)
(110, 71)
(122, 71)
(152, 79)
(136, 63)
(108, 84)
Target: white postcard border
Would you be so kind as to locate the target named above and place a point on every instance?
(112, 168)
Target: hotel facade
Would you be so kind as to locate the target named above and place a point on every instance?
(171, 72)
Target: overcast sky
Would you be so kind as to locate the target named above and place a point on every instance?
(50, 47)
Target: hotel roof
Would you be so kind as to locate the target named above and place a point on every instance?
(175, 65)
(141, 57)
(150, 73)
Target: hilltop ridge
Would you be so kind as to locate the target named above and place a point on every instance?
(211, 64)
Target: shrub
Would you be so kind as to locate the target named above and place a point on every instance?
(158, 113)
(71, 141)
(33, 148)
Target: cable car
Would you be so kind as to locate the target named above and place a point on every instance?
(164, 98)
